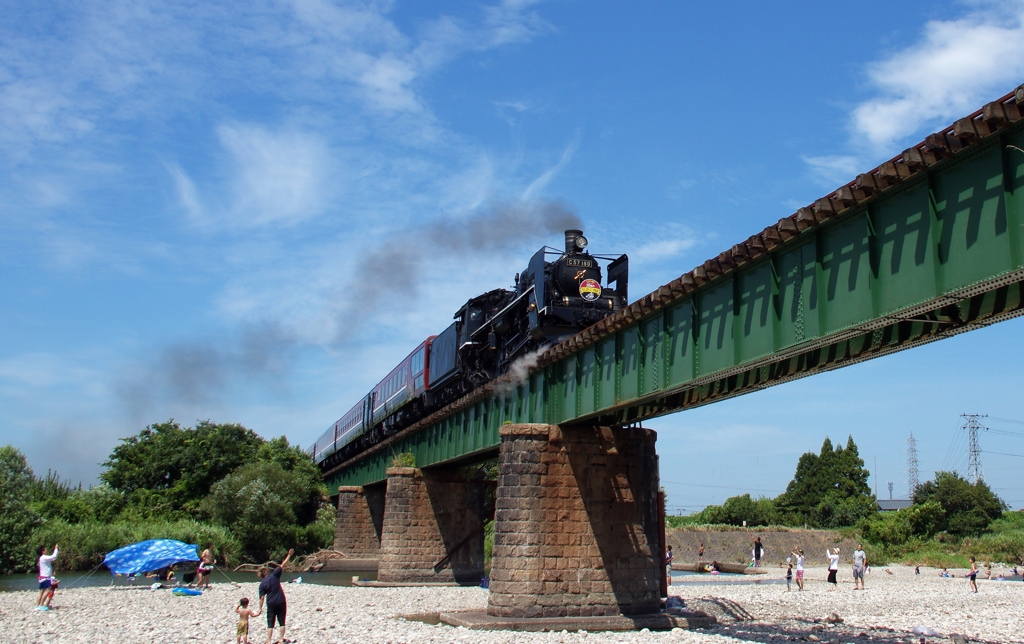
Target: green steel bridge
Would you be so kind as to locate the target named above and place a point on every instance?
(923, 247)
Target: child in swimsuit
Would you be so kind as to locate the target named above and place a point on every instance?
(973, 575)
(244, 613)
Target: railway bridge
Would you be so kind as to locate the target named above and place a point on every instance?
(923, 247)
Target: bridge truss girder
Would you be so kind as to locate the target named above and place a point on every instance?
(940, 253)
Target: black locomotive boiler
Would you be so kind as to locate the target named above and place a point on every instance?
(551, 301)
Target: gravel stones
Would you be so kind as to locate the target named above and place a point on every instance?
(886, 612)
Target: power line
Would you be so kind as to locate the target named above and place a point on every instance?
(1003, 453)
(721, 487)
(1005, 433)
(951, 461)
(971, 424)
(1007, 420)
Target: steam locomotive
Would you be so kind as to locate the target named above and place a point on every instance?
(551, 301)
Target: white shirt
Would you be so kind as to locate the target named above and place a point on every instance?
(833, 561)
(46, 564)
(799, 562)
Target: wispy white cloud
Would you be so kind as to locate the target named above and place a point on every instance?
(664, 248)
(518, 106)
(186, 191)
(280, 177)
(541, 182)
(952, 68)
(41, 369)
(947, 73)
(288, 137)
(833, 171)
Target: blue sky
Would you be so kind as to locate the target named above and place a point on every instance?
(191, 194)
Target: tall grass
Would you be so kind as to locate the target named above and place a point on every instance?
(83, 545)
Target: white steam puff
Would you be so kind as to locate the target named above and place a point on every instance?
(519, 372)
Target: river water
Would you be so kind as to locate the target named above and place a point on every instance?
(102, 578)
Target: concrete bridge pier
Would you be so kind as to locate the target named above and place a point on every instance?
(429, 515)
(360, 521)
(576, 524)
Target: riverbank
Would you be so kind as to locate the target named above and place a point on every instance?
(886, 612)
(736, 545)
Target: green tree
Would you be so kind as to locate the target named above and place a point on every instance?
(262, 504)
(737, 509)
(967, 509)
(17, 520)
(829, 489)
(171, 468)
(292, 458)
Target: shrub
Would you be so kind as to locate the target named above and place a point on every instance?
(737, 509)
(405, 459)
(16, 516)
(262, 504)
(320, 533)
(83, 545)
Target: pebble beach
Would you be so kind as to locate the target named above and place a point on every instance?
(887, 611)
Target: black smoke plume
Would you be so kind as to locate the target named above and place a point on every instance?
(198, 372)
(391, 271)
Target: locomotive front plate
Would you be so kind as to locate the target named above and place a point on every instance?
(579, 263)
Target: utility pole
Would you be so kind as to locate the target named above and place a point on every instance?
(912, 471)
(972, 426)
(875, 476)
(890, 490)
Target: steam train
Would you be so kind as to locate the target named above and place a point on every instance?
(551, 301)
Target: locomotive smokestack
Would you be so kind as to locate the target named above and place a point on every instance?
(570, 240)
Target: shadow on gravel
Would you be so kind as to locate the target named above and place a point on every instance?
(726, 610)
(738, 623)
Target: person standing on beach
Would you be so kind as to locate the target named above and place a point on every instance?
(860, 562)
(799, 554)
(789, 578)
(973, 575)
(47, 582)
(271, 591)
(700, 552)
(833, 567)
(206, 562)
(758, 551)
(668, 565)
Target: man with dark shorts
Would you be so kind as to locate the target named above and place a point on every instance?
(47, 582)
(271, 591)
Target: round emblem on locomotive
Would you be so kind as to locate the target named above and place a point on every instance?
(590, 290)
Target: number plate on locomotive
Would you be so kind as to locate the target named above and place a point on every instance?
(580, 263)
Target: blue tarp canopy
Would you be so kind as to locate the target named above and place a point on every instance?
(147, 556)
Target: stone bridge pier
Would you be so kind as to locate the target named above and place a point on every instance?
(576, 533)
(433, 526)
(360, 521)
(576, 530)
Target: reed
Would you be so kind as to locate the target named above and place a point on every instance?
(83, 545)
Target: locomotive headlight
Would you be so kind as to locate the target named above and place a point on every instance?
(581, 242)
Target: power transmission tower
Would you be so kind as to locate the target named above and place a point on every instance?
(912, 473)
(972, 426)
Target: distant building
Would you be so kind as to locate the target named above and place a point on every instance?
(891, 505)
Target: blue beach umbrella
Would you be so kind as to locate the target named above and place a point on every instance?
(146, 556)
